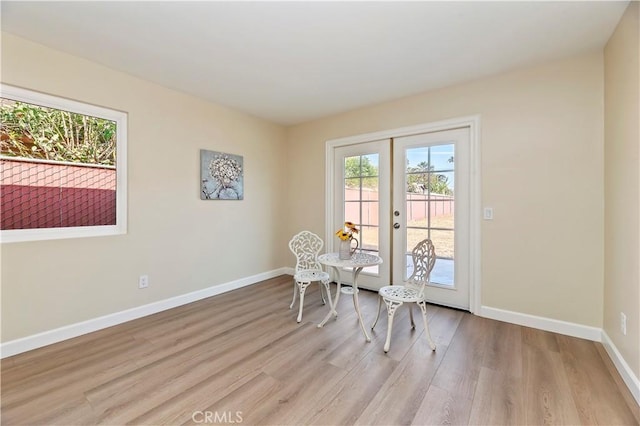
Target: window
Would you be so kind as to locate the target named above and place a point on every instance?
(62, 168)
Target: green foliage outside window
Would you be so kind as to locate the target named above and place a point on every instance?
(421, 179)
(360, 167)
(33, 131)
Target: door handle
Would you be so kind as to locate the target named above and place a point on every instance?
(396, 225)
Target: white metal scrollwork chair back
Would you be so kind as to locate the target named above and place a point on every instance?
(394, 296)
(305, 246)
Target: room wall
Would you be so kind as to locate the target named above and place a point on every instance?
(182, 243)
(542, 172)
(622, 186)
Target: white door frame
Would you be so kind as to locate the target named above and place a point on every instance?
(473, 122)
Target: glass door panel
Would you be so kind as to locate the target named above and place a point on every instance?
(430, 184)
(361, 189)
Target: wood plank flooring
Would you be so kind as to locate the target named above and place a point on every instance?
(240, 357)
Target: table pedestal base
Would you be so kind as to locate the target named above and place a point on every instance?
(347, 290)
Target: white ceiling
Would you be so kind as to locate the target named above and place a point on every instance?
(290, 62)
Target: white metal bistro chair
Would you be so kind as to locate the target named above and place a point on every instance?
(394, 296)
(305, 246)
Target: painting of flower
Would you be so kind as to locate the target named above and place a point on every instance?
(221, 175)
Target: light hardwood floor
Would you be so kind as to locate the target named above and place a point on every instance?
(241, 357)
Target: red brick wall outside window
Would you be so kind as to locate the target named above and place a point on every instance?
(47, 194)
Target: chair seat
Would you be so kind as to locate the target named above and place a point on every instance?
(311, 275)
(399, 293)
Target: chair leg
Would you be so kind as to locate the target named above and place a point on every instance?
(303, 288)
(413, 324)
(295, 291)
(326, 287)
(423, 308)
(391, 311)
(378, 314)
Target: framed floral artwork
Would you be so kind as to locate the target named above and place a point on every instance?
(221, 176)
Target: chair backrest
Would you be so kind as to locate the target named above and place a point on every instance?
(424, 257)
(305, 246)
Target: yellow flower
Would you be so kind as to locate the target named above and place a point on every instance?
(347, 232)
(344, 236)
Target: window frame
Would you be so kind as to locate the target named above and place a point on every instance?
(120, 118)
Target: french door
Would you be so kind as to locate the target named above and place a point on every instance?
(401, 190)
(431, 199)
(362, 186)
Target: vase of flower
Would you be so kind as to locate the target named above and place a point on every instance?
(346, 248)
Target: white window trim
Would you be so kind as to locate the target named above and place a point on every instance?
(39, 234)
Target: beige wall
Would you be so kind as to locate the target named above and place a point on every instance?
(182, 243)
(542, 172)
(622, 186)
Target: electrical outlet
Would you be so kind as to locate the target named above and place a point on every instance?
(623, 323)
(143, 281)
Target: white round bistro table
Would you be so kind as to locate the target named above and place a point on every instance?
(358, 262)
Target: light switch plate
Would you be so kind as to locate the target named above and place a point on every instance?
(487, 214)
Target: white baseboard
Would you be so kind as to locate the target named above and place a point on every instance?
(630, 379)
(542, 323)
(570, 329)
(46, 338)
